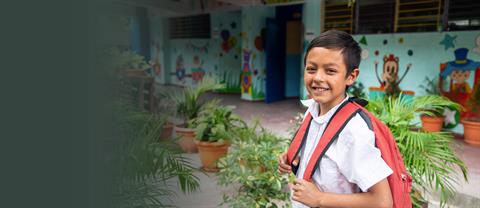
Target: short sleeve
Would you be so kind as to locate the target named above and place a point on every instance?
(357, 157)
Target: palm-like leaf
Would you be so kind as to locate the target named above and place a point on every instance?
(147, 165)
(187, 100)
(428, 156)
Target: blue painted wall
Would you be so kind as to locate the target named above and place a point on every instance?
(183, 58)
(423, 50)
(253, 55)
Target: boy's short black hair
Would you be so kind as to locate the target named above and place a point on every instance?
(335, 39)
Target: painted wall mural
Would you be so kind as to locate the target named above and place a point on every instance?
(157, 61)
(192, 61)
(389, 81)
(226, 36)
(447, 56)
(219, 56)
(197, 71)
(246, 77)
(253, 61)
(180, 72)
(459, 79)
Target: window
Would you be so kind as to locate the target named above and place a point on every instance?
(418, 15)
(463, 15)
(375, 17)
(339, 15)
(197, 26)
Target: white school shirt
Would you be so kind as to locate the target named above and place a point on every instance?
(352, 163)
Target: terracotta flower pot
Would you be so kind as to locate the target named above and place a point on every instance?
(187, 139)
(166, 131)
(210, 152)
(432, 124)
(134, 72)
(471, 132)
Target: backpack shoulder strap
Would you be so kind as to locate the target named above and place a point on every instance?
(298, 140)
(336, 124)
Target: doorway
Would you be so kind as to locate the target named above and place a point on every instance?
(283, 50)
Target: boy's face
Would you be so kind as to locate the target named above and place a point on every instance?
(326, 77)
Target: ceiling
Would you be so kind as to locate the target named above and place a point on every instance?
(173, 8)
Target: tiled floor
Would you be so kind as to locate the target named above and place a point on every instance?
(276, 117)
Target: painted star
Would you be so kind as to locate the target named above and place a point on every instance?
(448, 41)
(449, 116)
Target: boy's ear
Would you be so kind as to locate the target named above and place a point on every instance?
(353, 76)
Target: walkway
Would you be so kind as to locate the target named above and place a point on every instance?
(276, 117)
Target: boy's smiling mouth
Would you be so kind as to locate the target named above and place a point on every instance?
(319, 89)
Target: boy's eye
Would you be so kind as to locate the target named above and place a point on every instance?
(331, 71)
(310, 69)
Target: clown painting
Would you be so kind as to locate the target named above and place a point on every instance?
(180, 68)
(197, 71)
(460, 73)
(246, 77)
(459, 77)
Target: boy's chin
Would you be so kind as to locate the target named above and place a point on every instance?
(319, 99)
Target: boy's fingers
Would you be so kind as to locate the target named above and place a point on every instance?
(280, 160)
(299, 181)
(283, 170)
(295, 188)
(286, 167)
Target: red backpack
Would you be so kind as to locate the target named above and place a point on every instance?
(400, 182)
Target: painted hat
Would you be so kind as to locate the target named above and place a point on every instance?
(461, 58)
(461, 63)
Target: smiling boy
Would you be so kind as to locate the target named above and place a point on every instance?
(352, 172)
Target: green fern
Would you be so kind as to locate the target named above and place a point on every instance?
(145, 164)
(428, 156)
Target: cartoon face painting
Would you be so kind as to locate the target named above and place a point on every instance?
(197, 70)
(460, 83)
(180, 68)
(246, 73)
(389, 80)
(459, 72)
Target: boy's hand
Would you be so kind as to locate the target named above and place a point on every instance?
(283, 167)
(305, 192)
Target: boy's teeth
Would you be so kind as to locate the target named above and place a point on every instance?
(320, 88)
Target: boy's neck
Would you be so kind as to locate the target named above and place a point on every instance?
(324, 108)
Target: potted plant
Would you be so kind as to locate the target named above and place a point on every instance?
(471, 122)
(143, 163)
(125, 63)
(433, 118)
(432, 115)
(188, 105)
(167, 110)
(251, 164)
(215, 126)
(428, 156)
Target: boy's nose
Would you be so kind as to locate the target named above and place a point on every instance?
(318, 76)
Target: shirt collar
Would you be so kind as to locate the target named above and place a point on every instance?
(313, 109)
